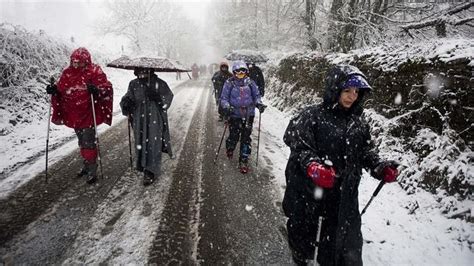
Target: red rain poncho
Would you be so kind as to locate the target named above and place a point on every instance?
(72, 104)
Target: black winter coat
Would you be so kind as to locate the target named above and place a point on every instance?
(328, 132)
(255, 73)
(147, 102)
(218, 80)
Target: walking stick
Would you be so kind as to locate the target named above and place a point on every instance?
(258, 136)
(318, 194)
(130, 143)
(51, 82)
(97, 136)
(220, 143)
(318, 238)
(377, 190)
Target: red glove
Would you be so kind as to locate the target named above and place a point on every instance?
(389, 174)
(321, 175)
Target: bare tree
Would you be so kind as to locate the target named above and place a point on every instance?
(447, 18)
(153, 27)
(128, 19)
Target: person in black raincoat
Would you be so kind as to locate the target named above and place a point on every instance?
(146, 103)
(330, 143)
(218, 80)
(256, 74)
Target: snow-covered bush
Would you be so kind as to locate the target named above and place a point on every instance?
(421, 109)
(26, 61)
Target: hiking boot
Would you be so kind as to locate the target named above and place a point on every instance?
(91, 179)
(298, 258)
(244, 167)
(91, 168)
(82, 173)
(230, 154)
(148, 179)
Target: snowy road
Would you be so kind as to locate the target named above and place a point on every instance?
(197, 212)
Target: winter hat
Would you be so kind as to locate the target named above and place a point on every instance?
(142, 71)
(356, 81)
(238, 65)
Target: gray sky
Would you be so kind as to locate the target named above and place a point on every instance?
(65, 18)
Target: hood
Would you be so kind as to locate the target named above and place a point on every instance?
(335, 80)
(82, 55)
(238, 65)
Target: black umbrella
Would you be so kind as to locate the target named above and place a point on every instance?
(158, 64)
(248, 56)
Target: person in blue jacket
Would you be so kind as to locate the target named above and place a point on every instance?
(240, 96)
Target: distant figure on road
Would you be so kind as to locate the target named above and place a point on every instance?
(146, 103)
(195, 71)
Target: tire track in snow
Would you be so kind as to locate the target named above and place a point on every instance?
(174, 241)
(123, 228)
(55, 213)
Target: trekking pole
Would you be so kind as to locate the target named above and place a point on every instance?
(318, 194)
(51, 82)
(258, 135)
(97, 137)
(220, 143)
(130, 143)
(318, 238)
(377, 190)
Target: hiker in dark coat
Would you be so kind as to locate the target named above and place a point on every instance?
(146, 103)
(330, 144)
(256, 74)
(218, 80)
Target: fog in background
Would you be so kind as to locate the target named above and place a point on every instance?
(80, 23)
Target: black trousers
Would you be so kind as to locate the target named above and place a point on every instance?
(302, 231)
(86, 137)
(240, 128)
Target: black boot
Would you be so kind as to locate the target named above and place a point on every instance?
(149, 178)
(82, 173)
(91, 179)
(91, 173)
(298, 258)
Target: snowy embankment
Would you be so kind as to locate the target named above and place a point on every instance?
(406, 224)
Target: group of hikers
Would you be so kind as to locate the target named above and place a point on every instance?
(329, 142)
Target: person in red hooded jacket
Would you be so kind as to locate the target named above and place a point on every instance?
(72, 105)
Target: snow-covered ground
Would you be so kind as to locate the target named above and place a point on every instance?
(22, 150)
(398, 228)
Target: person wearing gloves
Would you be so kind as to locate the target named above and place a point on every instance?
(72, 105)
(330, 144)
(239, 98)
(146, 103)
